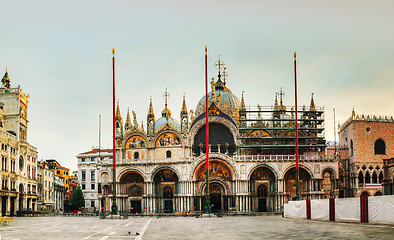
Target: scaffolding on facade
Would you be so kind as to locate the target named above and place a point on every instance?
(270, 130)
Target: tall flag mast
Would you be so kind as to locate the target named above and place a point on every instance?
(114, 207)
(207, 201)
(296, 127)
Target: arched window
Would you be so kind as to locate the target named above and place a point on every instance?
(167, 192)
(351, 148)
(134, 191)
(360, 178)
(136, 155)
(374, 178)
(380, 147)
(367, 177)
(168, 154)
(327, 184)
(262, 191)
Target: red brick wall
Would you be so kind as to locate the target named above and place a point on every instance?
(364, 142)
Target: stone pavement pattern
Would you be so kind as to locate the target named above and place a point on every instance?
(258, 227)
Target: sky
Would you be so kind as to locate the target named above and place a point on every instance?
(60, 54)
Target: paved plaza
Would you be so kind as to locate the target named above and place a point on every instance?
(238, 227)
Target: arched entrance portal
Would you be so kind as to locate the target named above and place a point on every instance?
(220, 183)
(165, 187)
(131, 186)
(216, 193)
(262, 182)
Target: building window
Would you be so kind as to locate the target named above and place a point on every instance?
(83, 187)
(83, 175)
(92, 186)
(136, 155)
(92, 175)
(168, 154)
(83, 160)
(380, 147)
(92, 159)
(351, 148)
(92, 203)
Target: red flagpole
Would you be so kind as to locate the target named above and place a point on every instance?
(208, 202)
(114, 207)
(206, 110)
(296, 125)
(113, 111)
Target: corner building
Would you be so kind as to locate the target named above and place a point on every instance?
(252, 157)
(18, 171)
(366, 141)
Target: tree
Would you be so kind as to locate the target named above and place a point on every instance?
(77, 199)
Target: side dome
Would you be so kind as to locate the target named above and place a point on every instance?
(166, 118)
(162, 122)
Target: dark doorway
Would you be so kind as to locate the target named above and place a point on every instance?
(168, 206)
(12, 207)
(135, 206)
(262, 193)
(3, 206)
(262, 205)
(216, 202)
(20, 202)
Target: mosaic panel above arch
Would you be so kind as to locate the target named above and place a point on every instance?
(168, 139)
(217, 170)
(136, 142)
(166, 175)
(262, 173)
(259, 133)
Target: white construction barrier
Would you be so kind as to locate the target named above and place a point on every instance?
(320, 209)
(380, 209)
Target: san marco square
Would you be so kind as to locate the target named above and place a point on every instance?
(226, 227)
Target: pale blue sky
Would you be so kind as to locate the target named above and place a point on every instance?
(60, 54)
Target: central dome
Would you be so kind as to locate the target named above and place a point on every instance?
(224, 98)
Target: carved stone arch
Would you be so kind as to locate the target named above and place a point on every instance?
(130, 169)
(258, 165)
(225, 186)
(159, 168)
(213, 119)
(219, 156)
(168, 130)
(329, 169)
(308, 169)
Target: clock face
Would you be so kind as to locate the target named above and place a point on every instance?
(21, 163)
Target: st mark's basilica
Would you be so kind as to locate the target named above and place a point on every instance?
(161, 169)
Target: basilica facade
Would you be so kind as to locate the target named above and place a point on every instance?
(161, 169)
